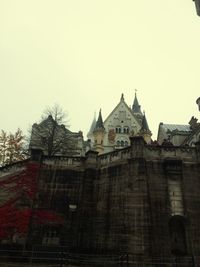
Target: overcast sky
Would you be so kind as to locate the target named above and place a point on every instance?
(82, 54)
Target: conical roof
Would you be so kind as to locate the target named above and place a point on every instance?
(99, 123)
(92, 127)
(145, 126)
(136, 106)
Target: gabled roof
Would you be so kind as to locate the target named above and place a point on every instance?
(127, 107)
(49, 121)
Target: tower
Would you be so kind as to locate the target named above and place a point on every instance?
(144, 131)
(92, 127)
(136, 109)
(98, 133)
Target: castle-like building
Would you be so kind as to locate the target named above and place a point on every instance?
(127, 201)
(123, 122)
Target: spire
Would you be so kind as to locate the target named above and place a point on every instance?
(92, 126)
(144, 131)
(136, 106)
(145, 126)
(99, 123)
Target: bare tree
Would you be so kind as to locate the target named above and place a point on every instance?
(12, 147)
(51, 134)
(57, 113)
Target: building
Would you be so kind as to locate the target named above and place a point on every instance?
(123, 122)
(136, 205)
(55, 139)
(180, 135)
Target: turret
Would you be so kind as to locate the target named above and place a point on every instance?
(93, 125)
(136, 109)
(98, 134)
(144, 131)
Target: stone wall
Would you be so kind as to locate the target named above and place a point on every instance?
(142, 201)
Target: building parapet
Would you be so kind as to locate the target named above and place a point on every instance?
(149, 152)
(114, 156)
(182, 152)
(63, 161)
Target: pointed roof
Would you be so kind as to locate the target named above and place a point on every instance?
(92, 125)
(135, 116)
(136, 106)
(145, 126)
(99, 123)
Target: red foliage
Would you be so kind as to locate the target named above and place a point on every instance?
(23, 182)
(14, 219)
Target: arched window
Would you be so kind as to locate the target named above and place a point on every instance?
(122, 143)
(118, 129)
(126, 129)
(177, 235)
(118, 143)
(126, 143)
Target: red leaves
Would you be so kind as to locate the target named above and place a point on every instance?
(46, 216)
(13, 216)
(24, 182)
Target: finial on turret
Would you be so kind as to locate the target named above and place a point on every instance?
(122, 97)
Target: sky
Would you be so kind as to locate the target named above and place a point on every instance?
(83, 54)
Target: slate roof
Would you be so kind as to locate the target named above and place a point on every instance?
(99, 123)
(136, 106)
(145, 125)
(176, 127)
(92, 127)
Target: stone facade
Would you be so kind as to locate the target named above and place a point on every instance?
(142, 200)
(116, 129)
(55, 139)
(137, 205)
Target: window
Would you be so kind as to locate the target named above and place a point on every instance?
(118, 129)
(126, 129)
(126, 143)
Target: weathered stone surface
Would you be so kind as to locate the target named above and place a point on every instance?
(142, 201)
